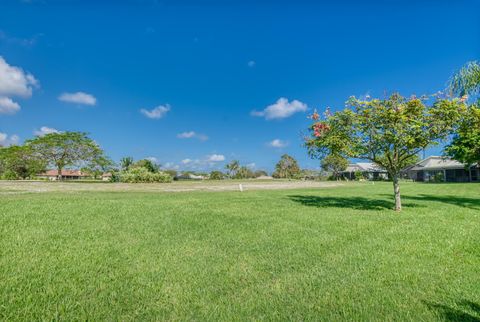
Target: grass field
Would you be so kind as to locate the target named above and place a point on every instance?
(329, 254)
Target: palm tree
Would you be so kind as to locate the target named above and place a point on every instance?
(467, 80)
(233, 167)
(126, 163)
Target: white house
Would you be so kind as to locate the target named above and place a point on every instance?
(437, 168)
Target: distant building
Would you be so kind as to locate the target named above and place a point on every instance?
(442, 169)
(369, 170)
(107, 176)
(66, 175)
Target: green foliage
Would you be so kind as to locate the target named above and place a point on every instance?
(466, 80)
(98, 166)
(465, 144)
(335, 164)
(66, 149)
(388, 132)
(287, 168)
(126, 163)
(358, 175)
(244, 173)
(233, 168)
(147, 164)
(19, 162)
(217, 175)
(143, 175)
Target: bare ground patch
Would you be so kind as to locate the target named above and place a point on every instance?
(13, 187)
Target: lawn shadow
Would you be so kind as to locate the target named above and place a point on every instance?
(358, 203)
(469, 311)
(465, 202)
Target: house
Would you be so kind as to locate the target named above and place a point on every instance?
(442, 169)
(369, 170)
(66, 175)
(107, 176)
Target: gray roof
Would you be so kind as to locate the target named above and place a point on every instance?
(437, 163)
(364, 167)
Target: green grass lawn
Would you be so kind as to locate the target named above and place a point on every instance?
(325, 254)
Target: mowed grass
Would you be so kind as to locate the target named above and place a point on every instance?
(324, 254)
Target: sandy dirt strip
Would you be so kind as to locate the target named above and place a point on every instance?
(7, 187)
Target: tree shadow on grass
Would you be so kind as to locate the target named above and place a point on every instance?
(465, 202)
(468, 311)
(358, 203)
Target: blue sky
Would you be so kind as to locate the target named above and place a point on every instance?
(209, 70)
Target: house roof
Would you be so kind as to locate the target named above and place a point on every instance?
(437, 163)
(54, 173)
(365, 167)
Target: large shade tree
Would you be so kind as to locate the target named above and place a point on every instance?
(389, 132)
(66, 149)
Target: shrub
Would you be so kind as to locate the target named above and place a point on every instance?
(142, 175)
(216, 175)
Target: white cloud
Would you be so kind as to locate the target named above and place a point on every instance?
(14, 82)
(6, 140)
(277, 143)
(156, 113)
(153, 159)
(216, 158)
(251, 63)
(78, 98)
(251, 165)
(186, 161)
(192, 135)
(171, 166)
(45, 130)
(7, 106)
(281, 109)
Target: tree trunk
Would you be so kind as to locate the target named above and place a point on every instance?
(59, 174)
(396, 190)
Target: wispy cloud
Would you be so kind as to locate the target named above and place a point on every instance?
(281, 109)
(6, 140)
(192, 135)
(216, 158)
(45, 130)
(277, 143)
(156, 113)
(251, 63)
(78, 98)
(8, 106)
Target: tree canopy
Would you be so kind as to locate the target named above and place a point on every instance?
(19, 162)
(389, 132)
(287, 168)
(66, 149)
(334, 163)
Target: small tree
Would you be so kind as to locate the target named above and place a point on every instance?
(216, 175)
(65, 149)
(287, 168)
(147, 164)
(244, 173)
(388, 132)
(335, 164)
(99, 165)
